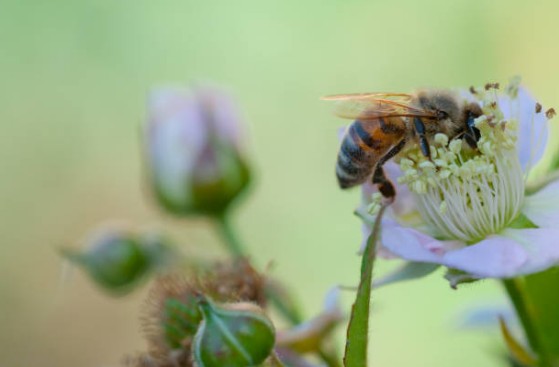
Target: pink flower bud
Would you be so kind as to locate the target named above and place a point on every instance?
(194, 149)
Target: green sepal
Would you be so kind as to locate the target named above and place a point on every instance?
(522, 222)
(181, 321)
(232, 335)
(456, 277)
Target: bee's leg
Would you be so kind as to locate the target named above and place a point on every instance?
(384, 185)
(472, 135)
(423, 143)
(470, 138)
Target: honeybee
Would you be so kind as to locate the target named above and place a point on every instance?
(385, 123)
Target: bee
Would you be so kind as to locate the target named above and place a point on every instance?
(385, 123)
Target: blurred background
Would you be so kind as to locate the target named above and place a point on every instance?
(74, 76)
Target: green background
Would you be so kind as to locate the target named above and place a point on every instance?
(74, 76)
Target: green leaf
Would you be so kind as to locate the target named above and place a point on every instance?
(358, 328)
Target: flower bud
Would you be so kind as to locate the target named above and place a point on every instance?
(171, 316)
(118, 261)
(237, 334)
(194, 150)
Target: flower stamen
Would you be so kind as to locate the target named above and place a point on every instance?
(467, 194)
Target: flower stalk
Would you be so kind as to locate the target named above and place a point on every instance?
(236, 249)
(229, 238)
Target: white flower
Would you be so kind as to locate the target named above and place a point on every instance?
(468, 210)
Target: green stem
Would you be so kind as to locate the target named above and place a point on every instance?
(525, 312)
(230, 239)
(236, 249)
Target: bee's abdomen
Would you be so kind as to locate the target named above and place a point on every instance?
(356, 157)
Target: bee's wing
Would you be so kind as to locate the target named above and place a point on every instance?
(365, 106)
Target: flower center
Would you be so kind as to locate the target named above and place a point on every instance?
(466, 194)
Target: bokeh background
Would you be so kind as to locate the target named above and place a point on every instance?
(73, 82)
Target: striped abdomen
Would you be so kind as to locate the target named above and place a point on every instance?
(363, 146)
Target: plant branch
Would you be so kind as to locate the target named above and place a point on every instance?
(229, 237)
(236, 249)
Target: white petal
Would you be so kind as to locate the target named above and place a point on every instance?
(382, 251)
(412, 245)
(542, 208)
(494, 257)
(540, 245)
(532, 130)
(176, 136)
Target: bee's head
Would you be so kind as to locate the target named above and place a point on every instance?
(442, 103)
(455, 115)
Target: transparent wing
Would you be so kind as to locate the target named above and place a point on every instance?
(365, 106)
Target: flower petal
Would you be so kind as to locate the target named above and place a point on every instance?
(495, 257)
(532, 129)
(539, 244)
(413, 245)
(542, 208)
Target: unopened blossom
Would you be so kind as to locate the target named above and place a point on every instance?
(194, 149)
(118, 259)
(468, 209)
